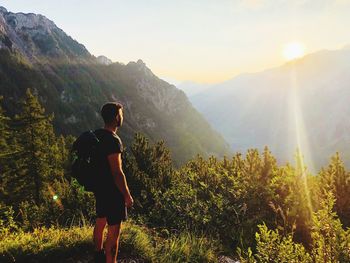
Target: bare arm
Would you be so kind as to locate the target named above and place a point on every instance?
(115, 163)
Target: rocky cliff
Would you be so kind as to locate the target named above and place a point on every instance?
(37, 37)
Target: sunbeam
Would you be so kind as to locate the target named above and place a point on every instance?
(304, 157)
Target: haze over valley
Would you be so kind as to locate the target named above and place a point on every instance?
(303, 104)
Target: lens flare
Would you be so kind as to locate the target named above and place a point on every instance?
(300, 139)
(55, 197)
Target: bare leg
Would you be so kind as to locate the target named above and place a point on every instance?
(98, 233)
(112, 243)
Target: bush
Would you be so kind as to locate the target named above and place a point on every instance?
(272, 247)
(7, 222)
(330, 242)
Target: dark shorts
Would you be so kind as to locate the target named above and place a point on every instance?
(111, 205)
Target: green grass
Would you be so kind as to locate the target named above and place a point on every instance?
(47, 245)
(136, 242)
(188, 248)
(75, 245)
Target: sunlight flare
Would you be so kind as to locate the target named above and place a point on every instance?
(300, 136)
(293, 50)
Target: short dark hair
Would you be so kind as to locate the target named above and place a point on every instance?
(110, 110)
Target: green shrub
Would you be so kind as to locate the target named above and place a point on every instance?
(272, 247)
(7, 222)
(330, 242)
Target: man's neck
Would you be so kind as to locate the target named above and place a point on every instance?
(111, 129)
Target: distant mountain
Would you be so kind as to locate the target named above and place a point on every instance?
(306, 100)
(192, 88)
(73, 84)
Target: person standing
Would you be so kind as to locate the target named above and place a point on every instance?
(112, 192)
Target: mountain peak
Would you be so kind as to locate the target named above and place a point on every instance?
(37, 37)
(3, 9)
(22, 21)
(141, 67)
(140, 62)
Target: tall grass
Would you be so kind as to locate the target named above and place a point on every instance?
(46, 245)
(186, 247)
(75, 245)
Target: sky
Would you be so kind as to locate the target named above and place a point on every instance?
(204, 41)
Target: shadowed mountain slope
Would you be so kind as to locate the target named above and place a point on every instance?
(73, 84)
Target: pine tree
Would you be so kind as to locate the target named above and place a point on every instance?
(149, 170)
(35, 135)
(4, 132)
(5, 151)
(154, 160)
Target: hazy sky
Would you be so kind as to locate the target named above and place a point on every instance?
(197, 40)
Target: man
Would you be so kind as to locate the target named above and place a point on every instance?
(112, 194)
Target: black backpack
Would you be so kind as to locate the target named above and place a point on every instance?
(85, 165)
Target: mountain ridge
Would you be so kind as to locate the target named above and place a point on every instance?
(263, 107)
(73, 84)
(37, 37)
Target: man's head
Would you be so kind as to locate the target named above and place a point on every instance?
(112, 114)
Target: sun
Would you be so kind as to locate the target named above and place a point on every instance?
(293, 50)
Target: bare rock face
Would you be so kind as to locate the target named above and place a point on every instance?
(224, 259)
(3, 23)
(71, 119)
(21, 21)
(165, 97)
(104, 60)
(37, 37)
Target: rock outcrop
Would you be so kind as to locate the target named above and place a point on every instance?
(36, 37)
(104, 60)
